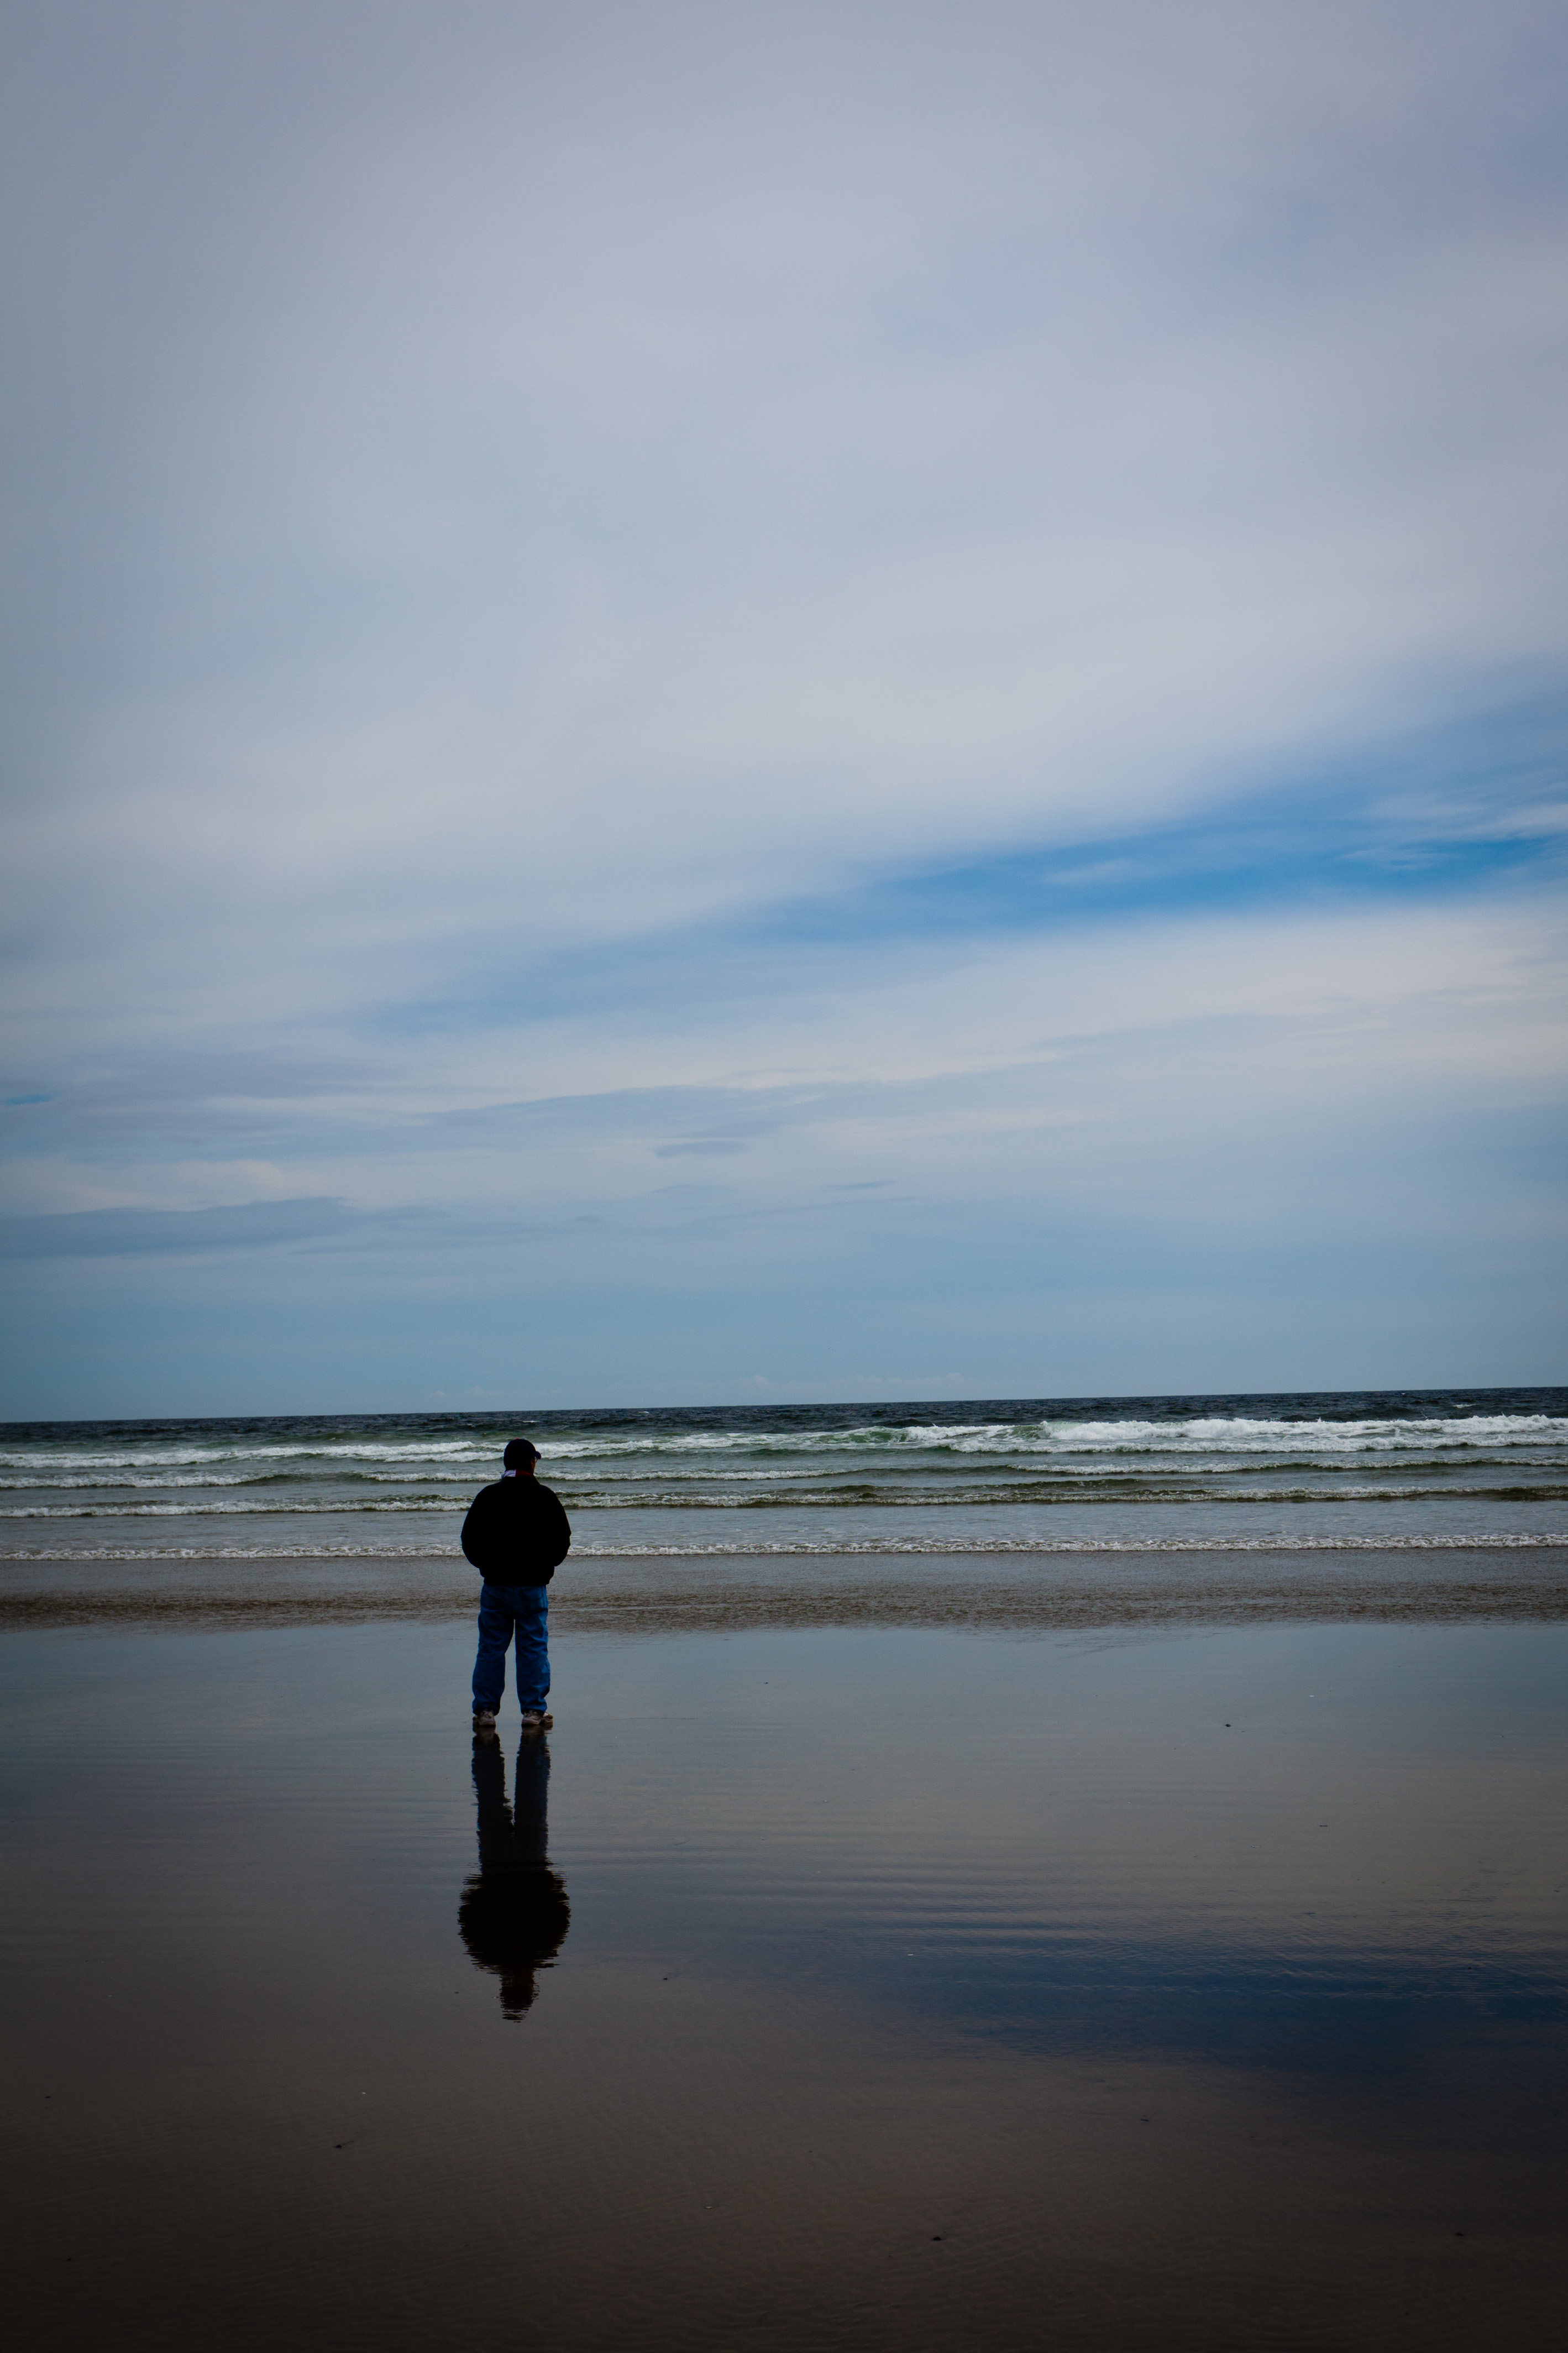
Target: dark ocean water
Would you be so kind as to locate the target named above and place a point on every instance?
(1344, 1468)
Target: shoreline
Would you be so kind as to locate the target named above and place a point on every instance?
(718, 1592)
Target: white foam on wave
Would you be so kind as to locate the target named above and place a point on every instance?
(1237, 1434)
(130, 1482)
(1121, 1451)
(979, 1499)
(884, 1548)
(249, 1509)
(232, 1450)
(1221, 1435)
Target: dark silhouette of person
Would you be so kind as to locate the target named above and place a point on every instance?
(513, 1914)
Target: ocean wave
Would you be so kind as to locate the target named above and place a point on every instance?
(231, 1450)
(879, 1548)
(998, 1497)
(130, 1483)
(249, 1511)
(460, 1457)
(1121, 1471)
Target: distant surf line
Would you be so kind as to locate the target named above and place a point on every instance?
(1046, 1548)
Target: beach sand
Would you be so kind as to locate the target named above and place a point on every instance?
(1177, 1983)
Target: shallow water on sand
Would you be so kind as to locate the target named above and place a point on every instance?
(888, 1987)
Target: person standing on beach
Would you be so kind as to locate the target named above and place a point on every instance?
(517, 1536)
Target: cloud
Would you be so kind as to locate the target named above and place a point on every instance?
(1081, 1065)
(120, 1233)
(960, 627)
(712, 466)
(712, 1147)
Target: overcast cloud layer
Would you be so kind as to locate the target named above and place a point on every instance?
(713, 701)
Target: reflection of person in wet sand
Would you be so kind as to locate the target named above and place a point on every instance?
(514, 1914)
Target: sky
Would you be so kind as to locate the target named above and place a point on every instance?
(719, 702)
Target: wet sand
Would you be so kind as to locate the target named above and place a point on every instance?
(1171, 1985)
(730, 1591)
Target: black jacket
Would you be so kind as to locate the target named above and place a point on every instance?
(517, 1533)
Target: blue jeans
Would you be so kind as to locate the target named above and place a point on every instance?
(505, 1610)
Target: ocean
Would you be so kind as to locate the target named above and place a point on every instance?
(1339, 1472)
